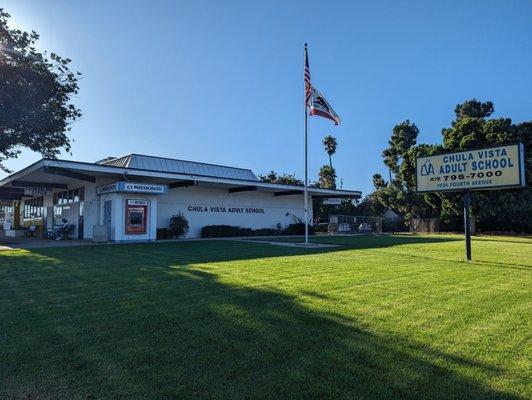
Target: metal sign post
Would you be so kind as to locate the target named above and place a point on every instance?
(467, 225)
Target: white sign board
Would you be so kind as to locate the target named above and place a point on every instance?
(132, 187)
(107, 188)
(137, 202)
(332, 202)
(488, 168)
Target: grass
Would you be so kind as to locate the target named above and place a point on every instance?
(378, 318)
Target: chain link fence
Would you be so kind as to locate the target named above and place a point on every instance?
(348, 224)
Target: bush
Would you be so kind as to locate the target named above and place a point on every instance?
(178, 225)
(322, 227)
(163, 233)
(266, 232)
(297, 229)
(213, 231)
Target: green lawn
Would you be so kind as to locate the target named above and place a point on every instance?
(378, 318)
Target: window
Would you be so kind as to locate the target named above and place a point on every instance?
(33, 208)
(69, 196)
(5, 210)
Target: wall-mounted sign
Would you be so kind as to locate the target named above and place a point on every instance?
(107, 188)
(132, 187)
(488, 168)
(38, 191)
(332, 202)
(223, 209)
(137, 202)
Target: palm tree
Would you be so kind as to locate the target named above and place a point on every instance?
(329, 142)
(327, 177)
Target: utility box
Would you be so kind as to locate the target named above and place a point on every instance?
(99, 234)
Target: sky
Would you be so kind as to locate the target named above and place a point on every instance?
(222, 81)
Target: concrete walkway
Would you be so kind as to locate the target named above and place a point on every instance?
(13, 243)
(290, 244)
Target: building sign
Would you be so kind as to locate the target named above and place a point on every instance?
(132, 187)
(222, 209)
(107, 188)
(332, 202)
(137, 202)
(38, 191)
(488, 168)
(142, 188)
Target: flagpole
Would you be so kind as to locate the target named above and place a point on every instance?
(306, 162)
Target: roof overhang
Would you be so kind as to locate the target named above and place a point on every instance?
(55, 173)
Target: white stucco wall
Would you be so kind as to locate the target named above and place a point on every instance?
(201, 206)
(211, 206)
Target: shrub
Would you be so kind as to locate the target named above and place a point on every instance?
(322, 227)
(212, 231)
(178, 225)
(297, 229)
(265, 232)
(163, 233)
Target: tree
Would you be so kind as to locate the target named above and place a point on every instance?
(404, 136)
(282, 179)
(36, 110)
(474, 109)
(508, 210)
(330, 144)
(379, 182)
(327, 177)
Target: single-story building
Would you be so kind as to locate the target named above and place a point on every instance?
(133, 195)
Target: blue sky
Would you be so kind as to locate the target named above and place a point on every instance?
(222, 81)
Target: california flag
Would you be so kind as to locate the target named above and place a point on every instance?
(320, 106)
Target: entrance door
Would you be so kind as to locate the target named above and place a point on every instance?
(107, 217)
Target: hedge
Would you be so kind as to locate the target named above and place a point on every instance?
(213, 231)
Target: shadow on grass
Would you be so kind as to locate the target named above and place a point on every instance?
(364, 241)
(186, 334)
(188, 252)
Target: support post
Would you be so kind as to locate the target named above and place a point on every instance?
(467, 226)
(16, 215)
(306, 164)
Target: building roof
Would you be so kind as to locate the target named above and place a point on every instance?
(161, 164)
(69, 173)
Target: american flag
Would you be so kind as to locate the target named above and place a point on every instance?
(308, 86)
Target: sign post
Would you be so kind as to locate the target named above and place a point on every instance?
(467, 225)
(490, 168)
